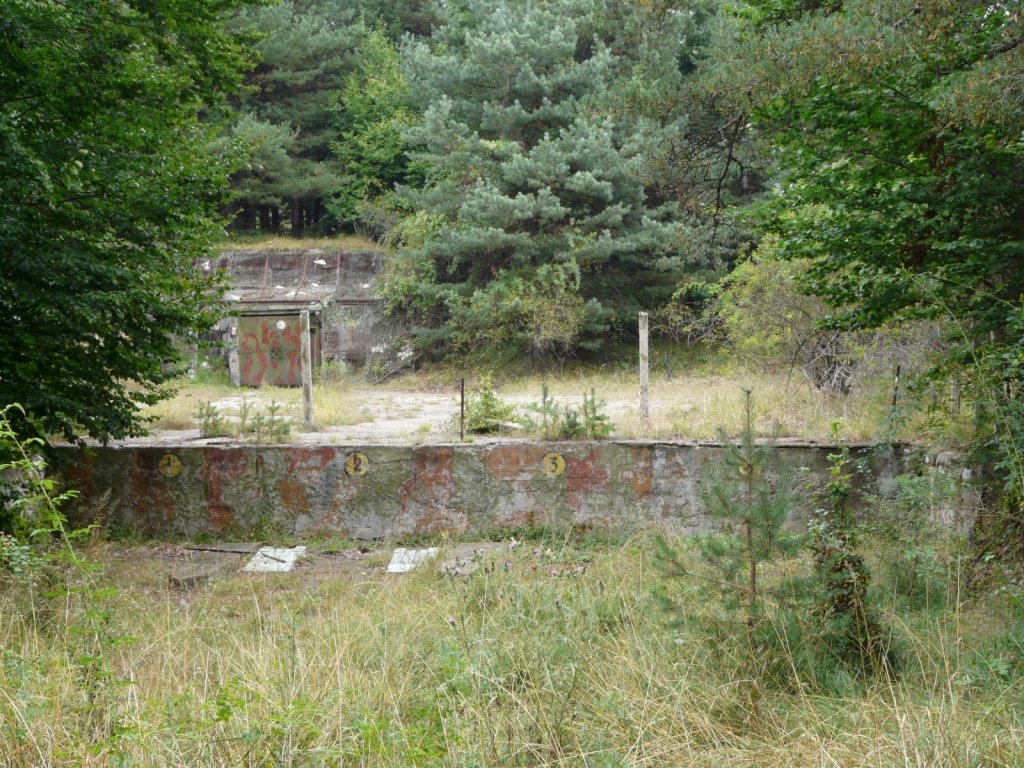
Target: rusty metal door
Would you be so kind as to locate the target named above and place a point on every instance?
(269, 350)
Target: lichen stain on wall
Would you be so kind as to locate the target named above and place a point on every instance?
(428, 495)
(514, 462)
(639, 474)
(583, 477)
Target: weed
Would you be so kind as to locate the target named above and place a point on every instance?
(20, 558)
(567, 422)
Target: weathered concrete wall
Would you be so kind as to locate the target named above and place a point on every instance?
(373, 491)
(956, 502)
(349, 330)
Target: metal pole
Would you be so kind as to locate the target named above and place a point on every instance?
(307, 372)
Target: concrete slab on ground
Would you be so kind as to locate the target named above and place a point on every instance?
(274, 560)
(404, 560)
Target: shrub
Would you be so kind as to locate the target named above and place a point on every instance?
(850, 629)
(485, 412)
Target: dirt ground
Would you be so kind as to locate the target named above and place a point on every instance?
(390, 417)
(187, 568)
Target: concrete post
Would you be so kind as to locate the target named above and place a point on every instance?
(644, 366)
(307, 372)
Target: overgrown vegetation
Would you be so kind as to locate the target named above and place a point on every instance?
(818, 196)
(486, 414)
(851, 631)
(562, 657)
(266, 424)
(30, 516)
(793, 609)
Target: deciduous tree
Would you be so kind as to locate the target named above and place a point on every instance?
(107, 196)
(898, 126)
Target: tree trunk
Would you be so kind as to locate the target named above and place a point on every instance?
(298, 225)
(318, 215)
(247, 218)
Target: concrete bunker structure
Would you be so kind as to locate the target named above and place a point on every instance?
(269, 288)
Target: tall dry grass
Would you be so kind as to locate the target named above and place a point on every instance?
(334, 403)
(560, 658)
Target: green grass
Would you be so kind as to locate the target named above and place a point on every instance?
(561, 659)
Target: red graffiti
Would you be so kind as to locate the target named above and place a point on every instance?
(584, 476)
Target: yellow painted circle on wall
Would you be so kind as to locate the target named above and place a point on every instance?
(356, 463)
(553, 464)
(170, 465)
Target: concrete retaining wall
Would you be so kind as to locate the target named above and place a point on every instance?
(374, 491)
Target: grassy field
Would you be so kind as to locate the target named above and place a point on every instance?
(557, 656)
(687, 406)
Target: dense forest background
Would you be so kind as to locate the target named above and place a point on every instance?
(823, 185)
(812, 183)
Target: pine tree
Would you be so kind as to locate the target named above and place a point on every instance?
(527, 169)
(307, 50)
